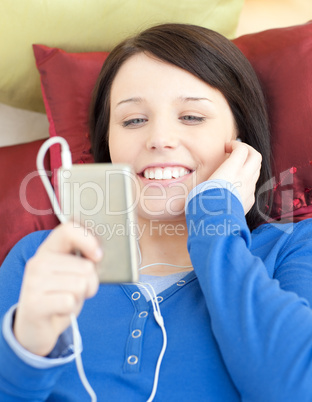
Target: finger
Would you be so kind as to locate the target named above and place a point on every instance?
(233, 144)
(77, 285)
(43, 266)
(232, 166)
(67, 239)
(61, 304)
(238, 154)
(80, 278)
(58, 305)
(67, 264)
(230, 146)
(82, 287)
(254, 159)
(256, 175)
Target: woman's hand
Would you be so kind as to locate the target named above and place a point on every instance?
(56, 283)
(242, 169)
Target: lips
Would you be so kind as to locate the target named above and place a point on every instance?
(165, 173)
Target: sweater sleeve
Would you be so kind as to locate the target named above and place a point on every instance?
(263, 326)
(62, 353)
(18, 380)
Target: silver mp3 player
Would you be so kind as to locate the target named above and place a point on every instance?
(100, 198)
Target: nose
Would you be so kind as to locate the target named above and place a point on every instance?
(161, 137)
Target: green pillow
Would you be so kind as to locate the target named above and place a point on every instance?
(93, 25)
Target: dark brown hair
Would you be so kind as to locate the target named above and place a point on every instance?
(210, 57)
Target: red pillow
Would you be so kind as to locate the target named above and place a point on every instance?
(67, 81)
(282, 59)
(24, 202)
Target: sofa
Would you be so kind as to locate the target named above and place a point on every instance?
(47, 76)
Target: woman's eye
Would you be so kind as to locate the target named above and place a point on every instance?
(192, 119)
(133, 122)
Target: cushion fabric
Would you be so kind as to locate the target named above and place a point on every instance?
(24, 203)
(80, 26)
(282, 59)
(67, 81)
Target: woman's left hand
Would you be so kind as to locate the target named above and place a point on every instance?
(242, 169)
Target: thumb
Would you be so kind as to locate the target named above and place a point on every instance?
(66, 239)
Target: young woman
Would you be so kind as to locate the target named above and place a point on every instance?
(234, 296)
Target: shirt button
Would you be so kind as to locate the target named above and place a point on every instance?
(181, 282)
(143, 314)
(160, 299)
(136, 333)
(132, 359)
(136, 295)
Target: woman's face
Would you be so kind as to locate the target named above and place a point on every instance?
(171, 127)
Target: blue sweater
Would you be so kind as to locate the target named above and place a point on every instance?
(239, 328)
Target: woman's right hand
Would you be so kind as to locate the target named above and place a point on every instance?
(56, 283)
(242, 169)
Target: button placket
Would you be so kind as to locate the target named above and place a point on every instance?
(142, 311)
(136, 332)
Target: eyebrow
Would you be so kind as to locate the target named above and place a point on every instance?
(134, 100)
(193, 98)
(180, 98)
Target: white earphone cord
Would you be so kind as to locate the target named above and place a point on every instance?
(160, 321)
(67, 163)
(158, 263)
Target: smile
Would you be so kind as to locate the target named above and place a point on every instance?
(166, 173)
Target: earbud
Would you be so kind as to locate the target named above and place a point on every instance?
(158, 318)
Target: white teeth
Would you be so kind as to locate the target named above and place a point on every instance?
(166, 173)
(158, 174)
(182, 171)
(175, 173)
